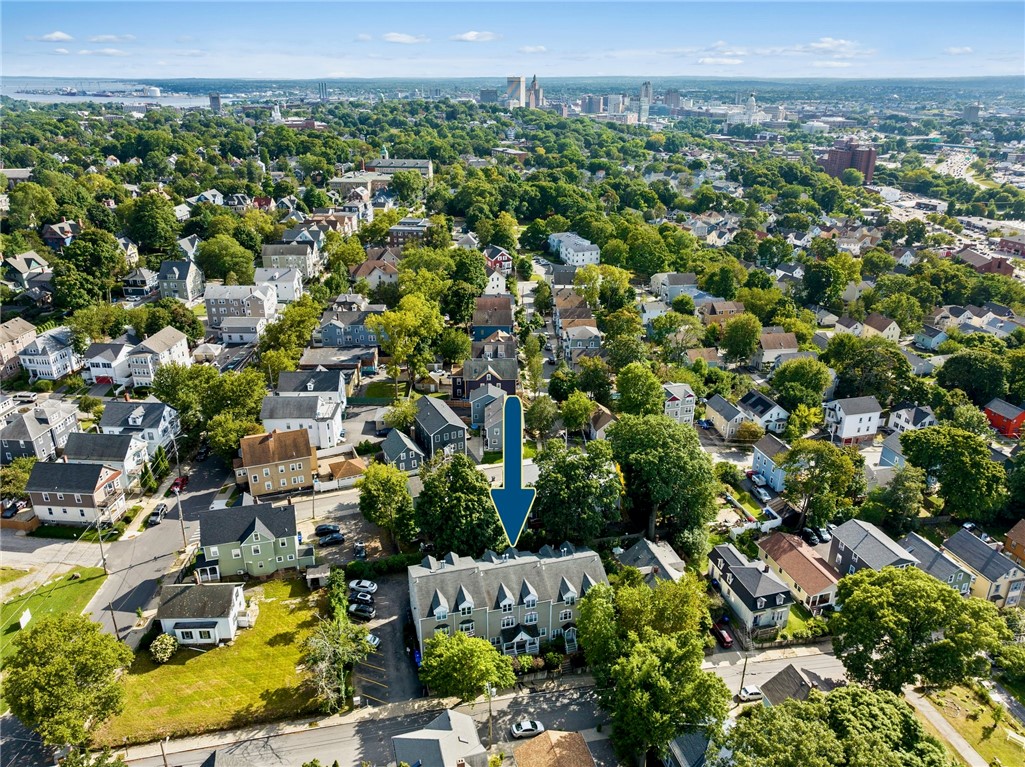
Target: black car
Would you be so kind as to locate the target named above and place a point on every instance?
(332, 540)
(809, 536)
(361, 598)
(9, 512)
(360, 550)
(362, 612)
(323, 530)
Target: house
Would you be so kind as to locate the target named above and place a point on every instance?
(709, 354)
(168, 346)
(652, 310)
(854, 420)
(340, 328)
(239, 203)
(124, 452)
(717, 312)
(21, 268)
(182, 280)
(573, 249)
(60, 235)
(480, 398)
(516, 600)
(1013, 244)
(892, 453)
(849, 325)
(258, 540)
(15, 335)
(242, 330)
(930, 338)
(287, 283)
(189, 246)
(156, 423)
(202, 613)
(725, 417)
(502, 372)
(789, 683)
(498, 259)
(39, 432)
(277, 462)
(687, 750)
(771, 346)
(76, 494)
(574, 340)
(376, 273)
(401, 452)
(129, 249)
(492, 314)
(491, 430)
(51, 355)
(766, 461)
(763, 411)
(293, 255)
(321, 417)
(1014, 542)
(756, 595)
(495, 285)
(857, 545)
(657, 561)
(911, 417)
(499, 345)
(437, 428)
(878, 325)
(449, 740)
(982, 263)
(554, 748)
(390, 165)
(601, 419)
(563, 276)
(1006, 418)
(182, 212)
(210, 196)
(937, 563)
(998, 578)
(679, 401)
(668, 285)
(250, 301)
(919, 365)
(408, 230)
(140, 283)
(811, 581)
(329, 385)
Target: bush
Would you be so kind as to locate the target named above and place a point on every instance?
(42, 385)
(366, 447)
(553, 660)
(163, 648)
(729, 474)
(817, 627)
(396, 563)
(91, 405)
(74, 383)
(337, 592)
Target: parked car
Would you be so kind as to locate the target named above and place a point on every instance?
(823, 534)
(704, 423)
(26, 396)
(359, 549)
(362, 612)
(809, 536)
(761, 495)
(180, 483)
(361, 598)
(322, 530)
(157, 515)
(758, 480)
(334, 539)
(527, 728)
(750, 693)
(9, 512)
(722, 635)
(364, 586)
(374, 641)
(204, 453)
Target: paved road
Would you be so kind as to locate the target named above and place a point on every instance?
(46, 557)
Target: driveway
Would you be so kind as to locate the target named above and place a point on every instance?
(389, 675)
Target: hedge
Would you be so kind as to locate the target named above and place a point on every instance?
(397, 563)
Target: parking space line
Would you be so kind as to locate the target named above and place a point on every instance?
(371, 697)
(370, 665)
(373, 681)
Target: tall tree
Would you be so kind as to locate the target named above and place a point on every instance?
(455, 510)
(384, 499)
(980, 374)
(640, 391)
(577, 492)
(540, 415)
(576, 411)
(222, 255)
(740, 337)
(150, 221)
(818, 477)
(329, 654)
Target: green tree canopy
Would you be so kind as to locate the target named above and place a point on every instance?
(464, 667)
(577, 492)
(640, 391)
(384, 499)
(455, 510)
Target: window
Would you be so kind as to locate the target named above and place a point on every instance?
(508, 622)
(46, 497)
(284, 482)
(543, 632)
(213, 552)
(266, 485)
(291, 557)
(78, 498)
(441, 614)
(466, 610)
(256, 551)
(854, 557)
(566, 615)
(441, 630)
(236, 554)
(256, 479)
(186, 635)
(530, 618)
(282, 542)
(280, 559)
(467, 628)
(840, 545)
(507, 607)
(850, 570)
(203, 634)
(60, 496)
(281, 469)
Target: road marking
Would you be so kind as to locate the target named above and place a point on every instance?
(371, 697)
(372, 681)
(370, 665)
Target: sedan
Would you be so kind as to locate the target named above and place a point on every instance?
(704, 423)
(528, 728)
(334, 539)
(758, 480)
(374, 641)
(362, 612)
(361, 598)
(179, 484)
(809, 536)
(366, 587)
(750, 693)
(761, 495)
(326, 530)
(823, 534)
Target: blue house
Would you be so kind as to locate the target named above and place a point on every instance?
(763, 461)
(930, 338)
(493, 314)
(893, 453)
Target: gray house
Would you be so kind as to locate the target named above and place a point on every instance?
(250, 541)
(40, 432)
(937, 563)
(151, 420)
(448, 740)
(857, 545)
(329, 385)
(182, 280)
(755, 594)
(400, 451)
(480, 398)
(346, 328)
(437, 428)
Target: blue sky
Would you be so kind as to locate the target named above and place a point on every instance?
(149, 38)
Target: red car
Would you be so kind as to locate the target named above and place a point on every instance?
(722, 635)
(179, 484)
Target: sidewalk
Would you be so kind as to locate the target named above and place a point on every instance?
(952, 736)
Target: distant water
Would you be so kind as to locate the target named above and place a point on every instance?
(9, 86)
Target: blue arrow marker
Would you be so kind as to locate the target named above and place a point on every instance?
(513, 500)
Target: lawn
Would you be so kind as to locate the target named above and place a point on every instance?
(386, 390)
(8, 574)
(973, 718)
(88, 535)
(61, 595)
(253, 680)
(495, 456)
(798, 619)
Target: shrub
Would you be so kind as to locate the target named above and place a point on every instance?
(42, 385)
(516, 664)
(366, 447)
(729, 474)
(74, 383)
(337, 592)
(538, 664)
(163, 648)
(553, 660)
(396, 563)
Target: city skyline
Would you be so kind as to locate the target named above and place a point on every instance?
(493, 39)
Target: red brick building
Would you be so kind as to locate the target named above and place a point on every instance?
(846, 154)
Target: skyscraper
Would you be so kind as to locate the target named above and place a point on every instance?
(516, 91)
(488, 96)
(673, 98)
(646, 91)
(215, 103)
(970, 113)
(322, 91)
(644, 102)
(846, 153)
(535, 95)
(591, 105)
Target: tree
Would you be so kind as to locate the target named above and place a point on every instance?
(275, 362)
(221, 255)
(800, 381)
(873, 367)
(902, 498)
(818, 475)
(903, 309)
(852, 177)
(150, 221)
(384, 499)
(329, 654)
(562, 383)
(722, 282)
(97, 252)
(74, 290)
(740, 337)
(79, 757)
(401, 414)
(184, 389)
(14, 477)
(773, 251)
(454, 346)
(543, 302)
(902, 626)
(980, 374)
(683, 304)
(576, 411)
(640, 391)
(163, 648)
(63, 675)
(802, 420)
(595, 379)
(972, 485)
(470, 267)
(32, 206)
(534, 368)
(225, 432)
(624, 350)
(539, 416)
(668, 476)
(455, 510)
(577, 492)
(749, 432)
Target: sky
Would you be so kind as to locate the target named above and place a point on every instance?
(310, 40)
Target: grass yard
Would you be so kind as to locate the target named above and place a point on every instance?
(253, 680)
(929, 728)
(495, 456)
(798, 619)
(61, 595)
(973, 718)
(8, 574)
(66, 533)
(386, 390)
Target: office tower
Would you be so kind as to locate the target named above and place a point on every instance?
(615, 103)
(516, 91)
(846, 153)
(673, 98)
(591, 105)
(970, 113)
(535, 95)
(644, 102)
(215, 103)
(488, 96)
(646, 91)
(322, 91)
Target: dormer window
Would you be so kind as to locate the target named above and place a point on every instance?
(507, 607)
(441, 614)
(779, 599)
(530, 601)
(760, 602)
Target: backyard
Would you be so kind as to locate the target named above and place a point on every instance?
(386, 390)
(972, 714)
(255, 679)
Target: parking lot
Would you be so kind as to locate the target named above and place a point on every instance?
(352, 525)
(388, 675)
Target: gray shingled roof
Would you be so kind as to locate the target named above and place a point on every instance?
(507, 369)
(987, 562)
(396, 442)
(298, 381)
(160, 341)
(28, 426)
(1003, 408)
(433, 415)
(751, 582)
(117, 413)
(64, 478)
(449, 739)
(771, 445)
(289, 407)
(176, 270)
(98, 447)
(719, 405)
(789, 683)
(196, 600)
(873, 547)
(237, 523)
(858, 405)
(930, 558)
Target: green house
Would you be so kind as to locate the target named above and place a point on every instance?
(250, 542)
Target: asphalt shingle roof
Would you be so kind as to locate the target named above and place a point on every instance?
(873, 547)
(196, 600)
(433, 415)
(65, 477)
(237, 523)
(986, 561)
(83, 446)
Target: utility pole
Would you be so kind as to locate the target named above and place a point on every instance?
(178, 493)
(117, 631)
(316, 484)
(103, 556)
(163, 753)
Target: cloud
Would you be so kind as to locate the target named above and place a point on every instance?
(474, 36)
(533, 49)
(183, 39)
(112, 39)
(958, 51)
(363, 37)
(103, 52)
(832, 47)
(192, 53)
(61, 51)
(719, 61)
(831, 64)
(402, 38)
(54, 37)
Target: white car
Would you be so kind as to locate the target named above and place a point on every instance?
(363, 587)
(761, 495)
(758, 480)
(750, 693)
(528, 728)
(373, 640)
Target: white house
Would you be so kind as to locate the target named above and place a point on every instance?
(51, 355)
(242, 330)
(767, 451)
(151, 420)
(910, 418)
(573, 249)
(125, 453)
(108, 363)
(854, 420)
(287, 282)
(496, 283)
(878, 325)
(168, 346)
(202, 613)
(319, 416)
(679, 402)
(764, 411)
